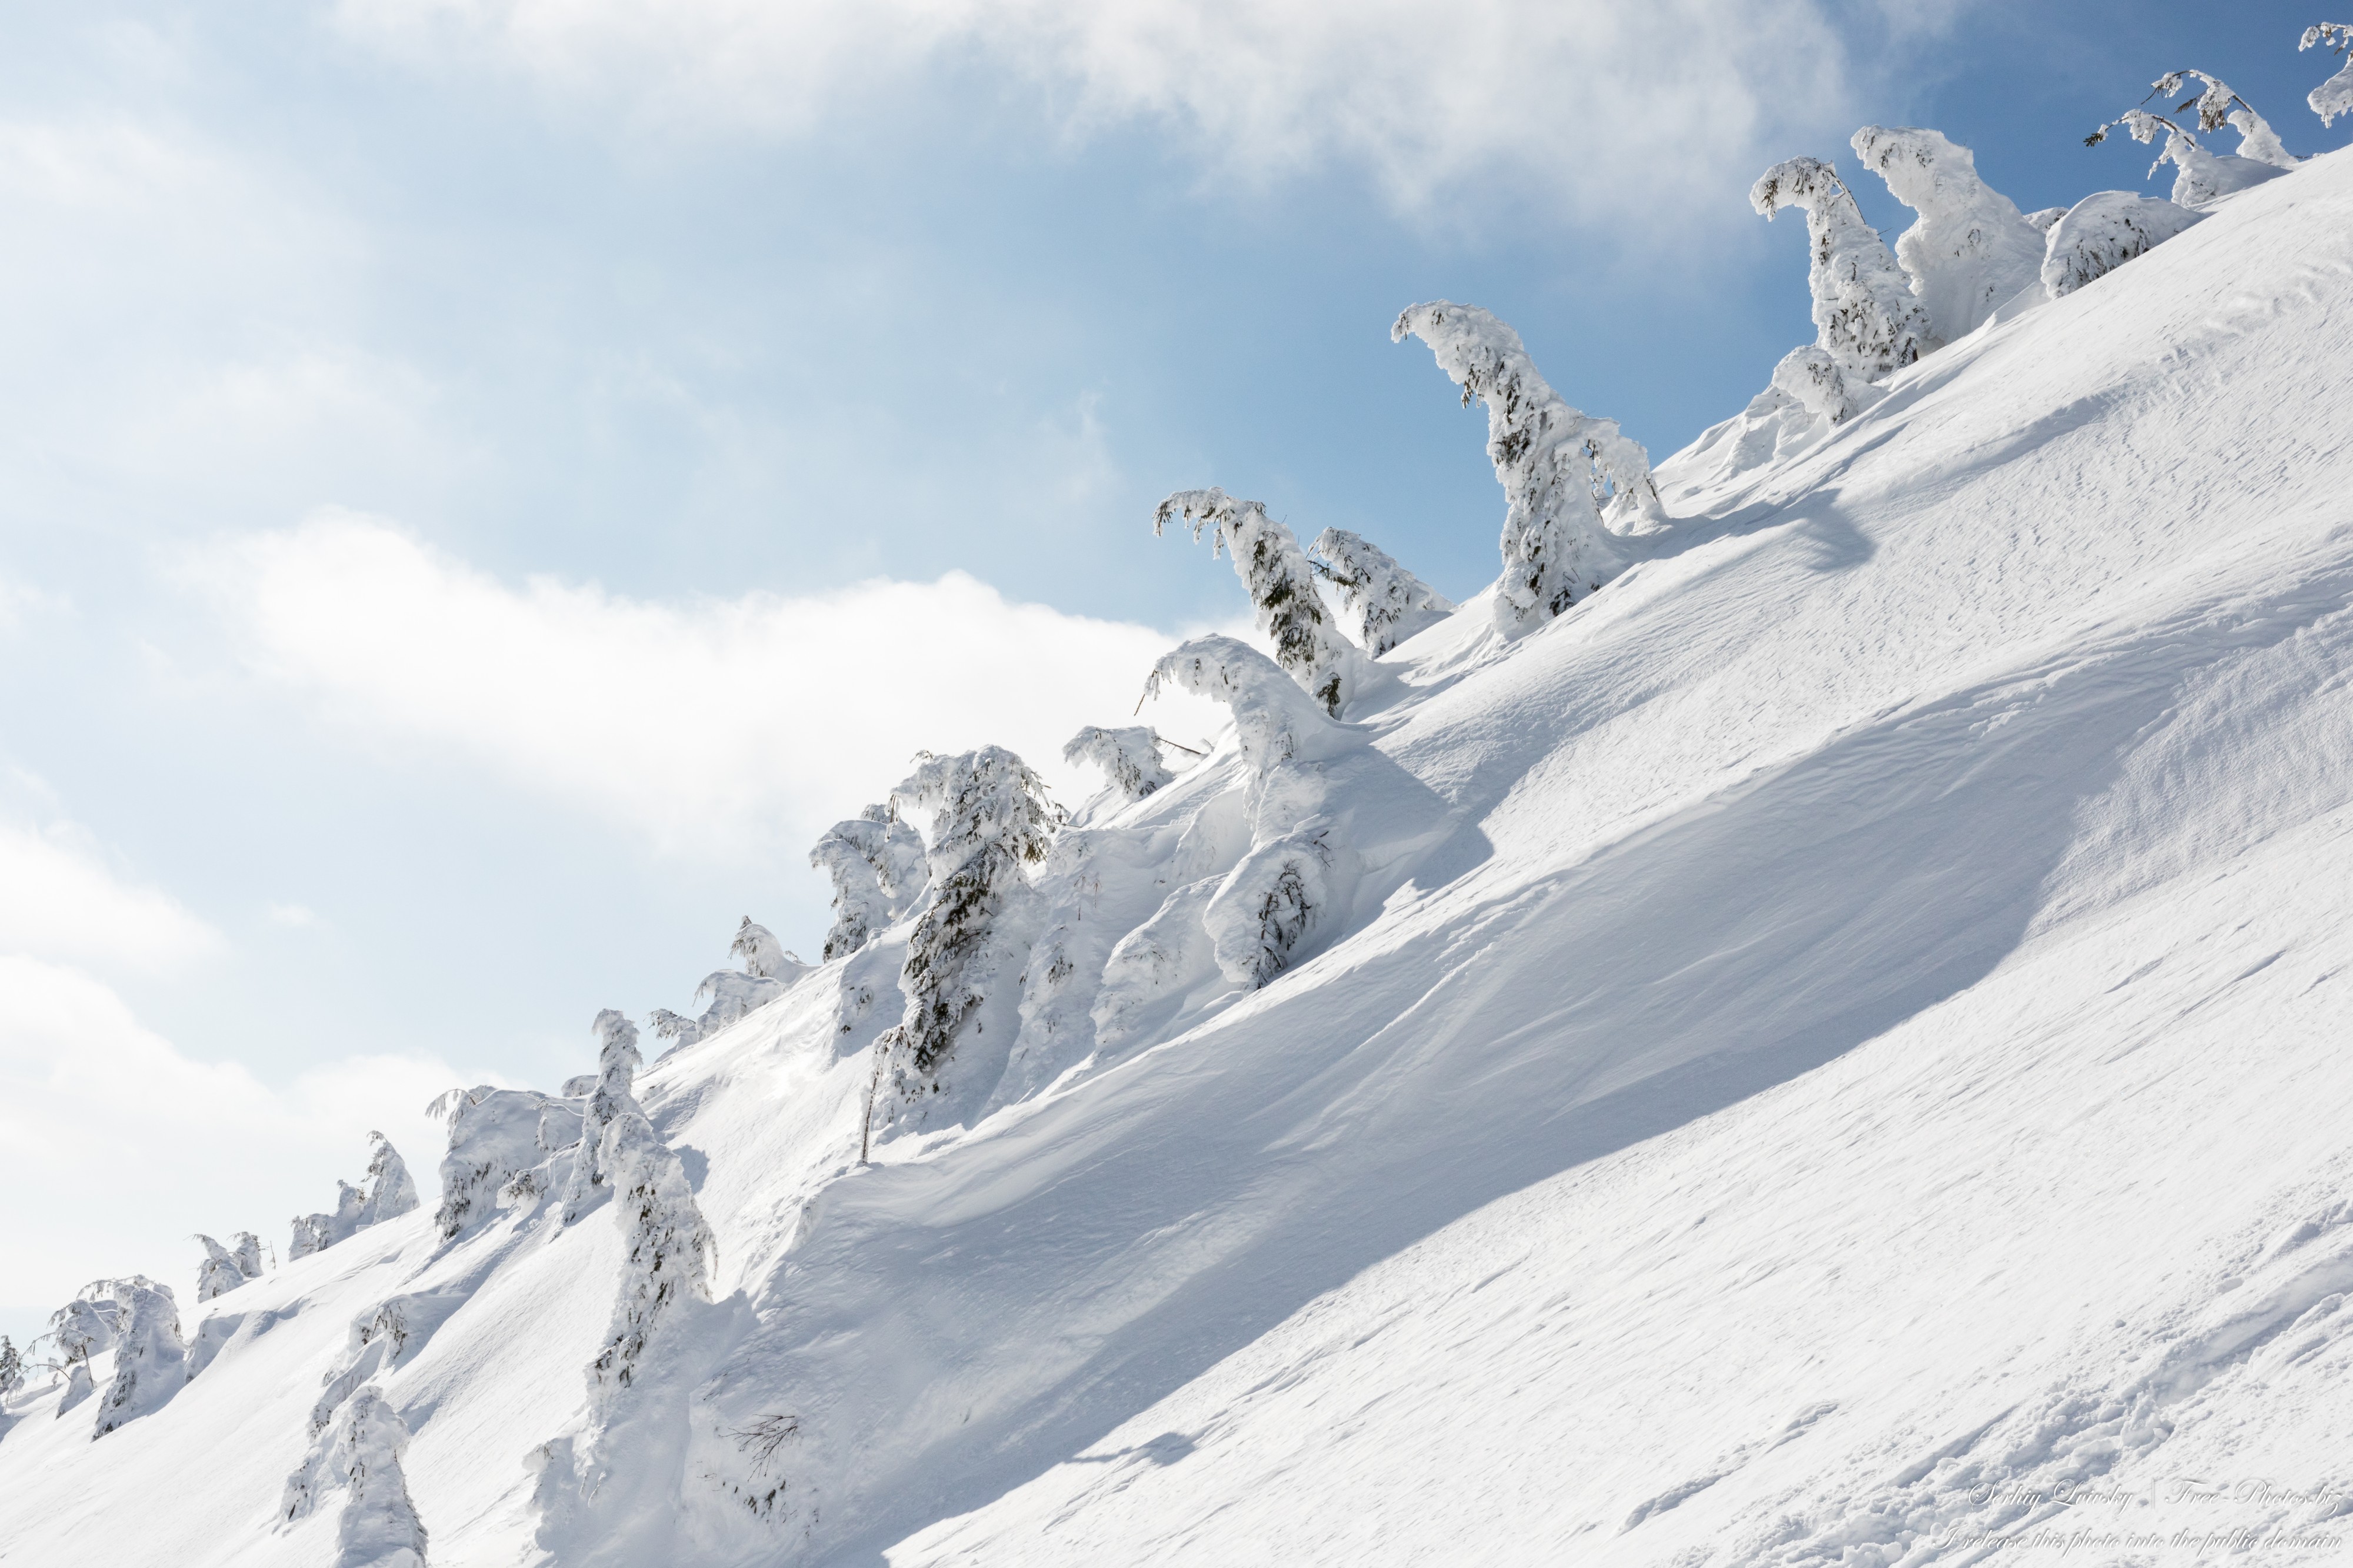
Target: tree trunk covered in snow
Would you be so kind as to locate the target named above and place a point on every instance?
(1560, 467)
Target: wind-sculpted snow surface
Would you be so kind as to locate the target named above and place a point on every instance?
(1563, 471)
(1830, 1053)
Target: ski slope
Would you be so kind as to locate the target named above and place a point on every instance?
(1833, 1043)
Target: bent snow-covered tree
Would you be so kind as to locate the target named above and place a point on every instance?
(1563, 471)
(2201, 176)
(671, 1250)
(764, 956)
(219, 1274)
(150, 1357)
(379, 1527)
(1971, 248)
(990, 820)
(768, 971)
(1275, 722)
(390, 1191)
(1129, 758)
(1282, 587)
(1387, 603)
(877, 865)
(317, 1232)
(1866, 315)
(2335, 96)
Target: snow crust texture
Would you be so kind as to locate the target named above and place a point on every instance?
(1830, 1051)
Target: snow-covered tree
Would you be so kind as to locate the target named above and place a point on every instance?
(219, 1274)
(1387, 603)
(317, 1232)
(2041, 218)
(671, 1251)
(390, 1192)
(1128, 758)
(1564, 473)
(247, 1254)
(150, 1356)
(1282, 587)
(497, 1138)
(617, 1067)
(1971, 248)
(12, 1367)
(768, 971)
(2217, 107)
(2335, 96)
(761, 953)
(2201, 176)
(1270, 904)
(1866, 315)
(1273, 721)
(877, 864)
(1809, 375)
(990, 819)
(378, 1527)
(2104, 231)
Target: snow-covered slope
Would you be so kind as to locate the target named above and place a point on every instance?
(1834, 1040)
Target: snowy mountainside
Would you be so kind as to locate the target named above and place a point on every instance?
(1829, 1041)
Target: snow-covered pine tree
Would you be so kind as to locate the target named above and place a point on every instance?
(1129, 759)
(617, 1066)
(379, 1527)
(1270, 904)
(2335, 96)
(247, 1254)
(877, 864)
(496, 1136)
(219, 1274)
(1282, 587)
(390, 1192)
(1865, 315)
(990, 819)
(761, 953)
(2200, 176)
(150, 1357)
(317, 1232)
(671, 1250)
(1273, 721)
(12, 1367)
(2217, 107)
(1971, 248)
(2104, 231)
(1387, 603)
(1563, 471)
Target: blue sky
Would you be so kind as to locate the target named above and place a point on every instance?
(479, 474)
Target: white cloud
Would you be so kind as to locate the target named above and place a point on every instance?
(301, 917)
(118, 1147)
(706, 724)
(1637, 109)
(63, 903)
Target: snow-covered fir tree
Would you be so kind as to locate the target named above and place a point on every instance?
(1273, 721)
(1866, 315)
(2104, 231)
(500, 1140)
(1971, 248)
(219, 1274)
(768, 971)
(671, 1251)
(990, 820)
(877, 865)
(12, 1367)
(2335, 96)
(1386, 603)
(1129, 759)
(2217, 105)
(390, 1191)
(379, 1526)
(150, 1356)
(247, 1254)
(761, 953)
(1280, 582)
(617, 1066)
(1563, 472)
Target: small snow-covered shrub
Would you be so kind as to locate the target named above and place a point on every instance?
(2335, 96)
(1864, 312)
(1812, 378)
(317, 1232)
(150, 1356)
(390, 1192)
(1271, 903)
(1282, 587)
(1129, 758)
(2104, 231)
(219, 1274)
(990, 819)
(1971, 248)
(617, 1066)
(1563, 471)
(1387, 603)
